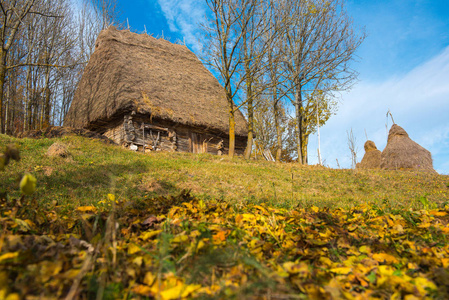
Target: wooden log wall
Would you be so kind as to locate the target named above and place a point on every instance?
(164, 136)
(116, 133)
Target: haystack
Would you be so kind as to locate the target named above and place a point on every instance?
(139, 90)
(58, 150)
(401, 153)
(371, 159)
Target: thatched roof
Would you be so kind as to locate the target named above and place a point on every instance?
(401, 153)
(130, 71)
(371, 159)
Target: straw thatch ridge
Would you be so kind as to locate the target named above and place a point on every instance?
(401, 153)
(137, 72)
(371, 159)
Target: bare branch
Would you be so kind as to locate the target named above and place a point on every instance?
(45, 15)
(44, 65)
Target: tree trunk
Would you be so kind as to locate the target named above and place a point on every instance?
(305, 141)
(6, 111)
(35, 119)
(231, 133)
(249, 143)
(304, 138)
(47, 107)
(276, 113)
(46, 104)
(318, 133)
(278, 132)
(298, 108)
(29, 116)
(2, 86)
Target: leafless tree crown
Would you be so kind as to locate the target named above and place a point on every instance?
(299, 51)
(45, 45)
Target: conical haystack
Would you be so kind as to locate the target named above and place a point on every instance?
(401, 153)
(371, 159)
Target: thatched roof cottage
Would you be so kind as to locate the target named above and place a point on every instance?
(149, 93)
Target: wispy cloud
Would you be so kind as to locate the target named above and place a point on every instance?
(419, 102)
(183, 17)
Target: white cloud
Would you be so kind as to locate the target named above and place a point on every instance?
(419, 102)
(183, 17)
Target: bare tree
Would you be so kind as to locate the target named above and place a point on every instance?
(44, 48)
(12, 15)
(352, 144)
(231, 19)
(320, 45)
(94, 16)
(57, 41)
(105, 11)
(258, 38)
(274, 72)
(36, 26)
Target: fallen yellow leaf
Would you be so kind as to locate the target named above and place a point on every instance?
(423, 285)
(342, 270)
(326, 261)
(13, 296)
(384, 257)
(142, 290)
(149, 278)
(295, 268)
(86, 209)
(438, 213)
(133, 248)
(149, 234)
(179, 291)
(8, 256)
(28, 184)
(365, 249)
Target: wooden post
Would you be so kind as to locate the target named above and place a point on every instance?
(143, 136)
(318, 132)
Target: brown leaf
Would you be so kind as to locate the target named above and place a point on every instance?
(150, 221)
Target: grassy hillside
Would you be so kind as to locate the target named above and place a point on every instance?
(107, 223)
(95, 169)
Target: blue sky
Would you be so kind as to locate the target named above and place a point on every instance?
(403, 66)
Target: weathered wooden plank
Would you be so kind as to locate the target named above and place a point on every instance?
(151, 126)
(115, 133)
(183, 144)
